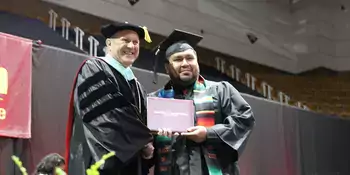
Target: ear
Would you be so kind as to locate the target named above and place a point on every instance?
(108, 42)
(166, 66)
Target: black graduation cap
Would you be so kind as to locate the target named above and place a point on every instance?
(110, 29)
(175, 37)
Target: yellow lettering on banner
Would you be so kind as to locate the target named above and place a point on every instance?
(2, 114)
(3, 82)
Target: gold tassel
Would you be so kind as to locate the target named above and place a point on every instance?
(147, 36)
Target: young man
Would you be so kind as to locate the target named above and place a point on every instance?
(107, 111)
(223, 119)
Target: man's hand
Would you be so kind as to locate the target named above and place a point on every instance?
(166, 132)
(147, 151)
(197, 134)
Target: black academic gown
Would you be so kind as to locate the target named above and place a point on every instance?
(106, 115)
(234, 122)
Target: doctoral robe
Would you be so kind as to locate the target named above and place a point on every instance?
(107, 113)
(229, 120)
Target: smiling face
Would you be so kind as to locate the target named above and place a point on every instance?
(183, 67)
(124, 46)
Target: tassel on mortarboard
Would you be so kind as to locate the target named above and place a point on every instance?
(147, 36)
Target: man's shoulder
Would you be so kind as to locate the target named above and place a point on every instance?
(94, 61)
(93, 65)
(219, 84)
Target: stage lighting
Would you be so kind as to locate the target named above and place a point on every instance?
(252, 38)
(133, 2)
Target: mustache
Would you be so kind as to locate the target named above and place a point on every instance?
(189, 68)
(186, 70)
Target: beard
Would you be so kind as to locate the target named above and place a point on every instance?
(183, 83)
(179, 81)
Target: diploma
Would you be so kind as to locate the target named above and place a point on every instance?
(177, 115)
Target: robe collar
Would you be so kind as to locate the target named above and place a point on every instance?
(126, 72)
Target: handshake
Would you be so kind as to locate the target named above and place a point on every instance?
(197, 134)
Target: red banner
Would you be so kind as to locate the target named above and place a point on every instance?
(15, 86)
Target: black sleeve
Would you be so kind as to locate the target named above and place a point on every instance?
(109, 122)
(147, 163)
(238, 119)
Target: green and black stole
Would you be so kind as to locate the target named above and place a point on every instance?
(205, 116)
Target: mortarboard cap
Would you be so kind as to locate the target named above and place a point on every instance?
(172, 44)
(110, 29)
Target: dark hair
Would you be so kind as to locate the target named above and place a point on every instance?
(48, 164)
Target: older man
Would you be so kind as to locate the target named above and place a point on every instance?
(223, 119)
(107, 109)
